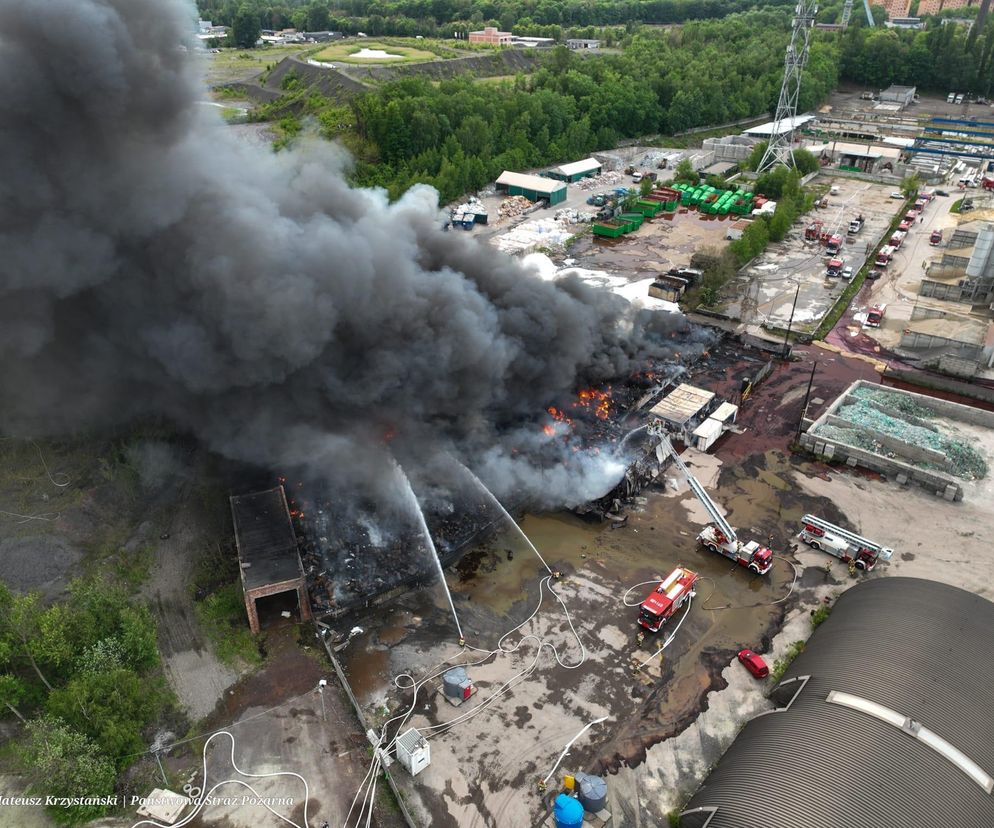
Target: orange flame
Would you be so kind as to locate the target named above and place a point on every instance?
(597, 401)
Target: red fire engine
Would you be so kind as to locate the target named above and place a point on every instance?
(667, 598)
(875, 315)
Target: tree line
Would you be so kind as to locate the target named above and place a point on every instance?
(940, 59)
(459, 134)
(83, 678)
(439, 16)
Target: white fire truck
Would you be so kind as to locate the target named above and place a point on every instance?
(720, 537)
(667, 598)
(843, 544)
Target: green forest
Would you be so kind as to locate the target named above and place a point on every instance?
(443, 17)
(457, 134)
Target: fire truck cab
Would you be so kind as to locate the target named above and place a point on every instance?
(664, 601)
(834, 245)
(875, 315)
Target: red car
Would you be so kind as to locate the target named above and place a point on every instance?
(754, 663)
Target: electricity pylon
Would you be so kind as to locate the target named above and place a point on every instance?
(779, 149)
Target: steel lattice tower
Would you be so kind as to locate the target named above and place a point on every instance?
(779, 149)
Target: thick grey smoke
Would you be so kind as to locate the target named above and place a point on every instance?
(153, 263)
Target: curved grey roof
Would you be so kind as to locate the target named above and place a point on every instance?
(918, 649)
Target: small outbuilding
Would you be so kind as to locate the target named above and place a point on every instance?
(684, 407)
(532, 187)
(901, 95)
(575, 171)
(268, 557)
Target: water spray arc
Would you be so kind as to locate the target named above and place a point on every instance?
(779, 150)
(419, 514)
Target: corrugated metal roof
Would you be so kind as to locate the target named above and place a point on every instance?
(682, 403)
(530, 182)
(578, 167)
(920, 648)
(264, 537)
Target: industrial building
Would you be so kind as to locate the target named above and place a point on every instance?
(884, 721)
(582, 43)
(491, 35)
(532, 187)
(765, 131)
(894, 8)
(901, 95)
(577, 170)
(268, 557)
(683, 409)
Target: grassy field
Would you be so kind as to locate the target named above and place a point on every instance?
(231, 65)
(343, 53)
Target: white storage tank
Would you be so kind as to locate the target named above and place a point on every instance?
(413, 751)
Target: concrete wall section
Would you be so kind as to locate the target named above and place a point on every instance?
(916, 454)
(936, 482)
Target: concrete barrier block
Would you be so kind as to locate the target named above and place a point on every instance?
(950, 493)
(829, 450)
(851, 461)
(902, 479)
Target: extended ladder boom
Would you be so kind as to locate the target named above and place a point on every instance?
(845, 534)
(712, 508)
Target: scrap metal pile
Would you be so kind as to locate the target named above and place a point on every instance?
(899, 416)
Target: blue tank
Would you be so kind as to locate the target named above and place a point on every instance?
(568, 812)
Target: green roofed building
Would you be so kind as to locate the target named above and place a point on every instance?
(576, 170)
(532, 187)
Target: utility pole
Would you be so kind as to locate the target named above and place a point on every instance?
(790, 323)
(804, 408)
(780, 148)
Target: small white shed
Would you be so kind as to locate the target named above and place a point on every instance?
(413, 751)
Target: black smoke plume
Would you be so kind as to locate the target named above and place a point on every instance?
(153, 263)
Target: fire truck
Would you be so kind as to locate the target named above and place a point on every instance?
(667, 598)
(813, 231)
(835, 267)
(935, 238)
(834, 245)
(720, 537)
(875, 315)
(843, 544)
(884, 256)
(898, 238)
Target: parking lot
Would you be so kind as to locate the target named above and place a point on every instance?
(763, 293)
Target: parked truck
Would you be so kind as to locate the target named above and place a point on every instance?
(843, 544)
(834, 244)
(875, 315)
(719, 536)
(898, 238)
(664, 601)
(884, 256)
(835, 267)
(935, 238)
(856, 225)
(813, 231)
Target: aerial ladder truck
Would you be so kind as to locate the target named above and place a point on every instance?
(843, 544)
(719, 536)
